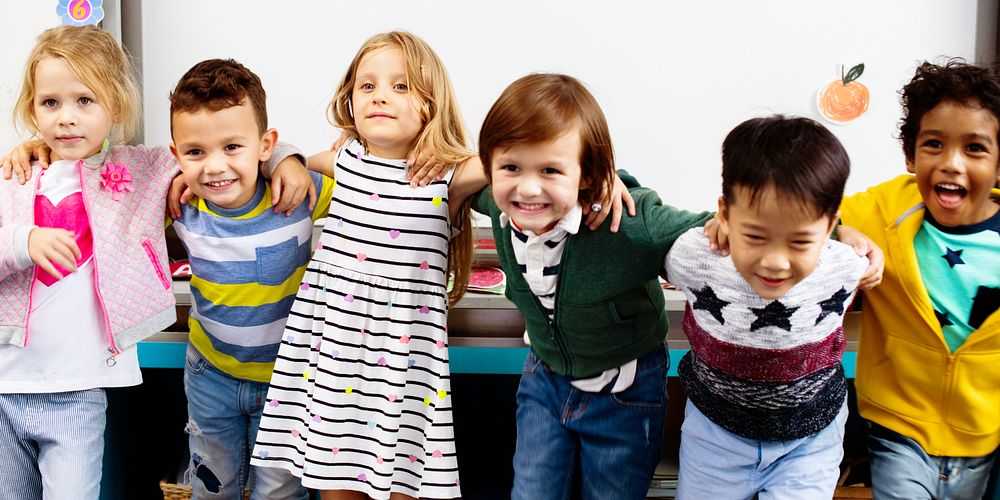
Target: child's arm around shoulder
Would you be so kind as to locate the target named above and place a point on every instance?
(469, 179)
(664, 223)
(322, 162)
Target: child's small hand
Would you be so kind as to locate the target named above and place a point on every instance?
(48, 246)
(290, 184)
(177, 196)
(421, 170)
(718, 236)
(19, 159)
(864, 246)
(598, 212)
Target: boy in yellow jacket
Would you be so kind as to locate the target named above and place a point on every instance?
(928, 365)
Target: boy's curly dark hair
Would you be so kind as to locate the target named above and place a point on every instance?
(955, 81)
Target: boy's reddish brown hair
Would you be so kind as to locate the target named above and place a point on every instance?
(541, 107)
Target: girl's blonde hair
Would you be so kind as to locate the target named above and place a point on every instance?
(443, 130)
(96, 58)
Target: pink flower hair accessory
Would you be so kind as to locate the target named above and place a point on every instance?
(116, 178)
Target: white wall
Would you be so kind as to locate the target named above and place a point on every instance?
(20, 30)
(672, 77)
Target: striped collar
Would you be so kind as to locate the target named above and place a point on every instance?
(570, 223)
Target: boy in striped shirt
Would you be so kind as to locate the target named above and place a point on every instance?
(247, 263)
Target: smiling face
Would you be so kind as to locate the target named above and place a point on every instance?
(385, 112)
(220, 152)
(70, 117)
(536, 185)
(956, 162)
(774, 244)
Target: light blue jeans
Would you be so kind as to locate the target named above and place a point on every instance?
(610, 443)
(717, 464)
(223, 417)
(902, 469)
(52, 445)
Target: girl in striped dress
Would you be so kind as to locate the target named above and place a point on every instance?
(360, 399)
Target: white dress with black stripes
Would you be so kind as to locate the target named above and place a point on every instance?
(360, 398)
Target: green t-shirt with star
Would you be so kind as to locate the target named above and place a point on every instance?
(960, 268)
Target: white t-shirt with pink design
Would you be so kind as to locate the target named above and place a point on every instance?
(68, 346)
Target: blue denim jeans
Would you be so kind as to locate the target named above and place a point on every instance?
(52, 445)
(902, 469)
(609, 442)
(223, 417)
(716, 463)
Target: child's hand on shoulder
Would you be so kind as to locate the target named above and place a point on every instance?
(177, 196)
(48, 246)
(290, 184)
(619, 197)
(421, 168)
(19, 160)
(865, 247)
(717, 235)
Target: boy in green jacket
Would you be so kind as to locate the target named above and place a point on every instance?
(592, 396)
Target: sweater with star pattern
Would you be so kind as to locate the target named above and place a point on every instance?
(764, 369)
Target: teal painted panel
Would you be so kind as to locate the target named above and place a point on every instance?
(481, 360)
(162, 354)
(487, 360)
(850, 358)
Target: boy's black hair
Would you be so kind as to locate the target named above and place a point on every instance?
(955, 81)
(799, 157)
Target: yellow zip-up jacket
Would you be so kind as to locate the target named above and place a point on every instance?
(907, 380)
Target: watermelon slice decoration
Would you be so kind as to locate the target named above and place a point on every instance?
(487, 279)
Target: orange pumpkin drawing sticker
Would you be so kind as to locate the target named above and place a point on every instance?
(845, 99)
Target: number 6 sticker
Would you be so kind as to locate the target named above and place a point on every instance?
(80, 12)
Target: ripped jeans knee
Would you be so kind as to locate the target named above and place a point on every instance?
(201, 472)
(213, 471)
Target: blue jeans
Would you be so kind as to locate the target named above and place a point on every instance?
(223, 417)
(902, 469)
(52, 445)
(716, 463)
(609, 442)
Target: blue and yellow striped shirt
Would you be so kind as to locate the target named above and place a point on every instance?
(246, 265)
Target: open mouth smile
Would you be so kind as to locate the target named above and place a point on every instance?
(949, 195)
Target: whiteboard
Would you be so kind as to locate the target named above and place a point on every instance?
(672, 77)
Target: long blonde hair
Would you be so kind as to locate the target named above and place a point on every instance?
(96, 58)
(443, 130)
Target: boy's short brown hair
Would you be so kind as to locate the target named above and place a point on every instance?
(541, 107)
(218, 84)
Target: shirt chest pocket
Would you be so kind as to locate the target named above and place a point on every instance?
(276, 263)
